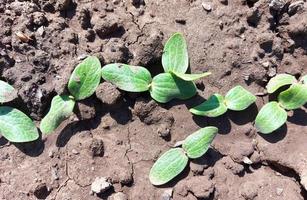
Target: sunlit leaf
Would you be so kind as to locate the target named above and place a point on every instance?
(168, 166)
(16, 126)
(294, 97)
(213, 107)
(7, 92)
(85, 78)
(278, 81)
(198, 143)
(270, 118)
(191, 77)
(239, 98)
(61, 108)
(166, 87)
(127, 77)
(175, 54)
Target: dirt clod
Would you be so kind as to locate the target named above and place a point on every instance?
(97, 148)
(108, 94)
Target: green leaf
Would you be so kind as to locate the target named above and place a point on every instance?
(304, 79)
(165, 87)
(85, 78)
(127, 77)
(198, 143)
(278, 81)
(168, 166)
(61, 108)
(175, 54)
(191, 77)
(16, 126)
(270, 118)
(239, 98)
(7, 92)
(213, 107)
(294, 97)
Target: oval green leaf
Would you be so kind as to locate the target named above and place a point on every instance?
(127, 77)
(278, 81)
(270, 118)
(294, 97)
(191, 77)
(213, 107)
(239, 98)
(165, 87)
(85, 78)
(7, 92)
(61, 108)
(16, 126)
(168, 166)
(175, 54)
(198, 143)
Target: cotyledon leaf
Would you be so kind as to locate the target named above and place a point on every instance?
(85, 78)
(191, 77)
(165, 87)
(168, 166)
(239, 98)
(270, 118)
(16, 126)
(7, 92)
(198, 143)
(127, 77)
(61, 108)
(294, 97)
(278, 81)
(175, 54)
(213, 107)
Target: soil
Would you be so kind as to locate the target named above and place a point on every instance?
(118, 137)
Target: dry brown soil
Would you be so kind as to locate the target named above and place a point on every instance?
(240, 41)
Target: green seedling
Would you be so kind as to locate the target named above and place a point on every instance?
(15, 126)
(82, 84)
(173, 162)
(171, 84)
(273, 115)
(236, 99)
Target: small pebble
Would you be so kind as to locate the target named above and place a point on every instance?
(74, 151)
(100, 185)
(207, 7)
(279, 191)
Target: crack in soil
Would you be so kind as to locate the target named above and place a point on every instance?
(127, 151)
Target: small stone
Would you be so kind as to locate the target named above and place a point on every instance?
(167, 194)
(279, 191)
(100, 185)
(295, 6)
(247, 161)
(74, 151)
(207, 7)
(41, 31)
(50, 154)
(179, 143)
(266, 64)
(164, 131)
(272, 72)
(277, 4)
(97, 148)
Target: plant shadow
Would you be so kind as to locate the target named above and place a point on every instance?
(277, 135)
(244, 116)
(32, 149)
(299, 117)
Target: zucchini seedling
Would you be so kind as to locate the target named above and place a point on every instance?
(15, 126)
(171, 84)
(273, 115)
(82, 84)
(173, 162)
(236, 99)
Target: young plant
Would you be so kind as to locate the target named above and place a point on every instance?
(15, 126)
(236, 99)
(273, 115)
(82, 84)
(171, 84)
(173, 162)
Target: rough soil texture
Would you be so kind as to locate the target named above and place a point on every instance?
(119, 137)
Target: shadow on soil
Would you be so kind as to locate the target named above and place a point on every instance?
(32, 149)
(277, 135)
